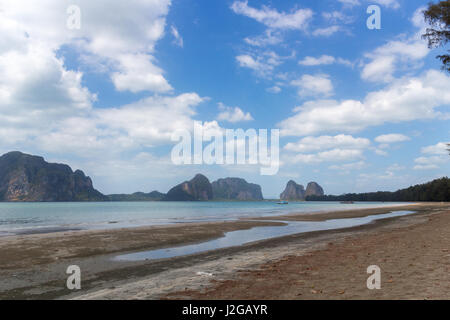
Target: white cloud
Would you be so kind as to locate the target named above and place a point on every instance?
(440, 148)
(326, 32)
(334, 155)
(391, 138)
(337, 148)
(350, 3)
(437, 155)
(137, 73)
(270, 37)
(341, 141)
(323, 60)
(405, 54)
(406, 99)
(45, 106)
(178, 40)
(274, 89)
(146, 123)
(393, 4)
(428, 163)
(380, 152)
(295, 20)
(263, 64)
(348, 167)
(233, 114)
(247, 61)
(314, 85)
(107, 38)
(337, 16)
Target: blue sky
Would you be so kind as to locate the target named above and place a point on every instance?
(358, 109)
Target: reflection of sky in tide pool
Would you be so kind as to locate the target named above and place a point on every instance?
(240, 237)
(49, 216)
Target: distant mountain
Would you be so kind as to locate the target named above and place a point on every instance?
(137, 196)
(26, 177)
(313, 189)
(293, 192)
(296, 192)
(197, 189)
(436, 190)
(236, 189)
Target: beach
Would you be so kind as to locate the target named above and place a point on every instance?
(412, 252)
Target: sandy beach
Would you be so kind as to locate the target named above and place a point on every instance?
(412, 252)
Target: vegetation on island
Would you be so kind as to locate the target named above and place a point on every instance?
(436, 190)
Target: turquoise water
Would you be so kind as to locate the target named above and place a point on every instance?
(17, 218)
(240, 237)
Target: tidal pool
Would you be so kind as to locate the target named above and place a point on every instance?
(240, 237)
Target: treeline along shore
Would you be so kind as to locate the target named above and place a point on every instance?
(435, 191)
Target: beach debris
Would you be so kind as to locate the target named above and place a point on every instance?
(206, 274)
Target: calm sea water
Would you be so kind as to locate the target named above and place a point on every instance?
(17, 218)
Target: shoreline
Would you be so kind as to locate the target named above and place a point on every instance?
(290, 216)
(51, 253)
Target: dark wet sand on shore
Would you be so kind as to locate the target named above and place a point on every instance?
(33, 266)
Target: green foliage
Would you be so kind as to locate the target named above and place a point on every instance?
(438, 35)
(137, 196)
(435, 191)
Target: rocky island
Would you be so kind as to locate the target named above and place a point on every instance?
(236, 189)
(297, 192)
(24, 177)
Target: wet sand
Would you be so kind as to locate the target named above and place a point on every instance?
(292, 267)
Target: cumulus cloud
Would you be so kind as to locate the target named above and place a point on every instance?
(435, 156)
(274, 89)
(323, 60)
(263, 64)
(407, 99)
(233, 114)
(385, 60)
(145, 123)
(339, 148)
(114, 39)
(388, 3)
(270, 37)
(381, 64)
(392, 138)
(350, 3)
(337, 16)
(327, 31)
(341, 141)
(428, 163)
(437, 149)
(314, 85)
(45, 105)
(295, 20)
(136, 73)
(334, 155)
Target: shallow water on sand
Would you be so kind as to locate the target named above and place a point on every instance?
(240, 237)
(23, 218)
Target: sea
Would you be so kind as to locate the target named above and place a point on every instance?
(45, 217)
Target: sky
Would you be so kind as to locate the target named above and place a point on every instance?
(358, 109)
